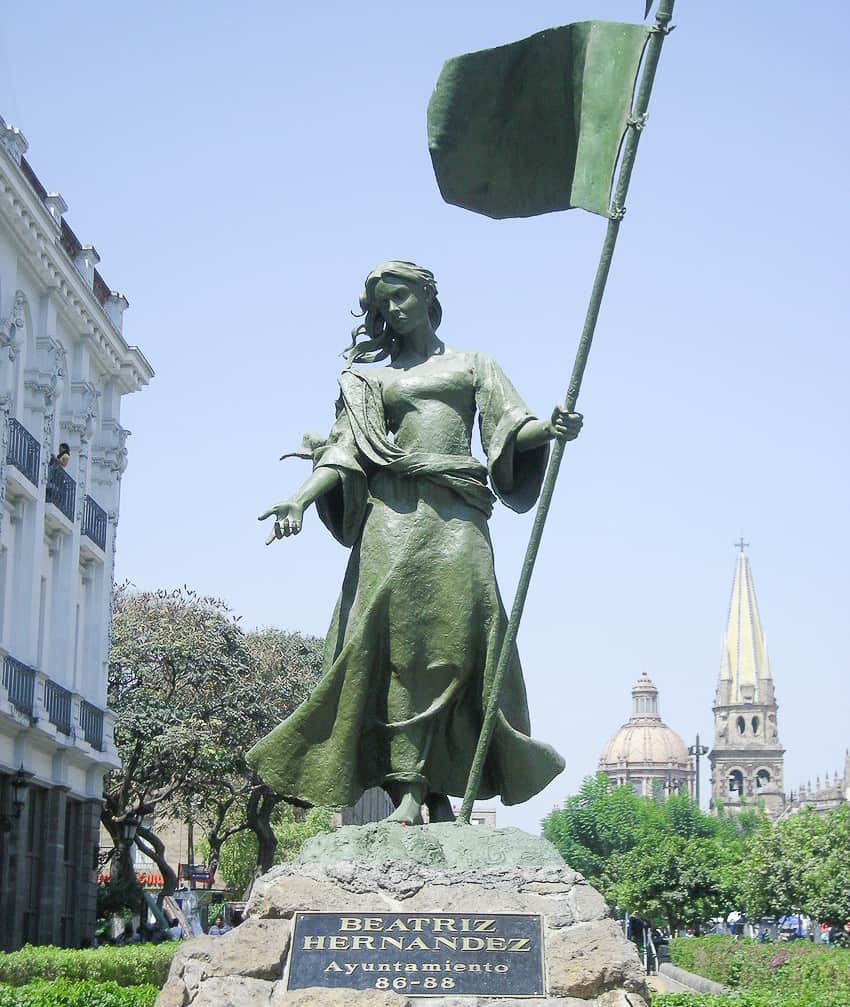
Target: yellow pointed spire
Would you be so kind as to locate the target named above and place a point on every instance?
(744, 663)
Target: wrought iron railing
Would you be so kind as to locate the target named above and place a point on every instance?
(91, 721)
(61, 489)
(57, 702)
(23, 451)
(19, 682)
(94, 522)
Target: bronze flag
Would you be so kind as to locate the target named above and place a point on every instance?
(535, 126)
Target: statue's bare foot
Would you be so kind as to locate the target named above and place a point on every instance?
(439, 808)
(408, 812)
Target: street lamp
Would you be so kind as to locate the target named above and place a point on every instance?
(128, 829)
(20, 784)
(698, 750)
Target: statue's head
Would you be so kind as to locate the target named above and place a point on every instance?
(377, 337)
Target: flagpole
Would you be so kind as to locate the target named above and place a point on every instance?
(636, 122)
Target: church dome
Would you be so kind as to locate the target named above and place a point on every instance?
(645, 748)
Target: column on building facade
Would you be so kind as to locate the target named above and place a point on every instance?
(52, 901)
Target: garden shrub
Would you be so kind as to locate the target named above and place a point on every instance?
(135, 965)
(85, 993)
(752, 998)
(798, 974)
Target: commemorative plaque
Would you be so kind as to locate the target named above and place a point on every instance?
(460, 954)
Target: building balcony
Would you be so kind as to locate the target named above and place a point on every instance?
(54, 711)
(19, 683)
(91, 721)
(23, 451)
(57, 703)
(61, 489)
(94, 522)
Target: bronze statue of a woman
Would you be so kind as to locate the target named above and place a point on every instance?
(416, 633)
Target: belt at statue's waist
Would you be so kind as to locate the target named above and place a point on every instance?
(462, 474)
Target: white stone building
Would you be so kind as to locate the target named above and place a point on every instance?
(64, 367)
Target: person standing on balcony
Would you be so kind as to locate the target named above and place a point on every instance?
(54, 480)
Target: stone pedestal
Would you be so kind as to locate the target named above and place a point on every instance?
(435, 869)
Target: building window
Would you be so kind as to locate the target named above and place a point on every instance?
(762, 779)
(741, 724)
(736, 782)
(755, 723)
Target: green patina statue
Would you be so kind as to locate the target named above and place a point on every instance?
(417, 630)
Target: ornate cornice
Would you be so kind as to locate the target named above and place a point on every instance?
(31, 221)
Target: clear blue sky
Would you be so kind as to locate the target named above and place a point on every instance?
(241, 167)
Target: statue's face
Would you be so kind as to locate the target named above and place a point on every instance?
(402, 303)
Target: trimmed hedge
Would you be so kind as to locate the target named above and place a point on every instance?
(752, 999)
(135, 965)
(86, 993)
(797, 966)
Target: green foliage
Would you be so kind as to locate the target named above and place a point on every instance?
(192, 693)
(668, 876)
(182, 692)
(594, 824)
(117, 893)
(782, 970)
(86, 993)
(800, 865)
(135, 965)
(292, 828)
(755, 998)
(660, 859)
(238, 861)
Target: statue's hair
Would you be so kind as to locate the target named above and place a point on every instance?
(378, 338)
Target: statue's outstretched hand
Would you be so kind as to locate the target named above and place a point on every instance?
(565, 426)
(288, 518)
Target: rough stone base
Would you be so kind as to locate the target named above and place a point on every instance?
(433, 869)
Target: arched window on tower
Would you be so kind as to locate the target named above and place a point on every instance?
(741, 724)
(762, 779)
(736, 782)
(755, 723)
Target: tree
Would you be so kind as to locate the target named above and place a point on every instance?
(292, 828)
(285, 668)
(800, 865)
(594, 824)
(192, 693)
(669, 876)
(185, 702)
(656, 858)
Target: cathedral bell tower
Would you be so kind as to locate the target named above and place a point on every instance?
(747, 759)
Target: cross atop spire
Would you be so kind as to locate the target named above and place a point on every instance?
(741, 544)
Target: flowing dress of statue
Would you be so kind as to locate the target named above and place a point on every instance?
(416, 633)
